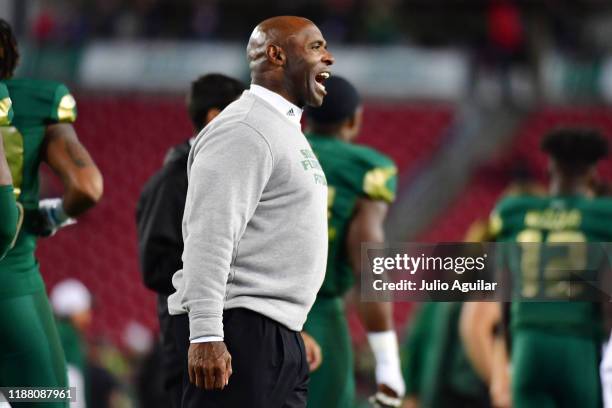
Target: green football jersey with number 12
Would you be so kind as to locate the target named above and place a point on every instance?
(352, 172)
(36, 104)
(551, 233)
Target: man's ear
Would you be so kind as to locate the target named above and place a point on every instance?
(211, 114)
(551, 166)
(276, 55)
(353, 124)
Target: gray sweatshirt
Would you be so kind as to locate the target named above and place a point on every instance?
(255, 221)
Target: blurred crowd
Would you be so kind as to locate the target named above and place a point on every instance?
(438, 22)
(74, 21)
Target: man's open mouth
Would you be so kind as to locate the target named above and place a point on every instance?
(320, 79)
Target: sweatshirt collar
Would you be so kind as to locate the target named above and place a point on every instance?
(286, 108)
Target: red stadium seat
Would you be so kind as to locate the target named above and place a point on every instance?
(480, 195)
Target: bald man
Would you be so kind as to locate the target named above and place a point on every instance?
(255, 231)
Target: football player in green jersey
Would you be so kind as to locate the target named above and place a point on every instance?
(438, 366)
(30, 351)
(556, 344)
(11, 213)
(361, 185)
(481, 322)
(437, 370)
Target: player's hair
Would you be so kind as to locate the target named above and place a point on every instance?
(211, 91)
(9, 53)
(575, 148)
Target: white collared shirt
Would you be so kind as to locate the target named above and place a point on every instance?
(291, 111)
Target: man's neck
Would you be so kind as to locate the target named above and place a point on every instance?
(568, 188)
(276, 86)
(329, 135)
(291, 111)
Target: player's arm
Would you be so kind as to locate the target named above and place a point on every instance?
(500, 385)
(82, 180)
(477, 327)
(367, 226)
(69, 159)
(9, 212)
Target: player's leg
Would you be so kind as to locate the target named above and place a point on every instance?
(30, 351)
(332, 385)
(531, 371)
(582, 387)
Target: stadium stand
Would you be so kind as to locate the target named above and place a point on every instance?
(478, 197)
(409, 133)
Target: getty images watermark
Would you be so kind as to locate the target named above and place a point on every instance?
(486, 271)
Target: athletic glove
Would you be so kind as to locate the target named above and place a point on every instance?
(51, 217)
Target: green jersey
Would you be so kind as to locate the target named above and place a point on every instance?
(6, 108)
(549, 232)
(36, 104)
(10, 214)
(352, 172)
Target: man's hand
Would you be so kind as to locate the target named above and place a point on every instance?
(500, 387)
(209, 365)
(313, 351)
(411, 402)
(500, 390)
(385, 397)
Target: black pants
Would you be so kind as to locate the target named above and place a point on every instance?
(268, 363)
(172, 361)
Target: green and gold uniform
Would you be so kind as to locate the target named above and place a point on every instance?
(352, 172)
(8, 206)
(417, 352)
(6, 106)
(435, 365)
(555, 344)
(30, 350)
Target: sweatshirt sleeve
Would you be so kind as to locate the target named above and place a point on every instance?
(229, 170)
